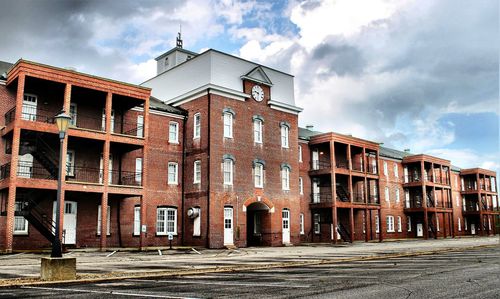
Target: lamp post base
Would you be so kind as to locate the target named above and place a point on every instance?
(58, 268)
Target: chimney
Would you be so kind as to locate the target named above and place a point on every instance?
(310, 127)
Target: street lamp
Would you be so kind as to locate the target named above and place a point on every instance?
(62, 121)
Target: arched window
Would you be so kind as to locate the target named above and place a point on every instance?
(285, 176)
(228, 169)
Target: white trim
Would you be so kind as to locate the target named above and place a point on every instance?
(137, 221)
(176, 141)
(288, 107)
(196, 162)
(202, 90)
(165, 221)
(161, 113)
(284, 110)
(2, 82)
(176, 178)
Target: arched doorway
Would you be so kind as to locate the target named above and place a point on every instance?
(258, 225)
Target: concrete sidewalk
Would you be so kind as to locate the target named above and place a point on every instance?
(24, 268)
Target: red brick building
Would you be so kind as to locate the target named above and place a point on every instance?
(209, 152)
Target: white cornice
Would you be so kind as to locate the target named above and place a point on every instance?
(202, 90)
(284, 107)
(157, 112)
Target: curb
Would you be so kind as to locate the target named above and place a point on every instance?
(240, 268)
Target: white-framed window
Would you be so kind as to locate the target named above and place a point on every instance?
(284, 136)
(197, 172)
(465, 223)
(137, 220)
(73, 108)
(173, 170)
(317, 226)
(228, 125)
(386, 171)
(138, 170)
(285, 178)
(408, 223)
(377, 224)
(166, 221)
(197, 126)
(20, 223)
(257, 131)
(173, 132)
(397, 195)
(387, 198)
(301, 186)
(108, 221)
(459, 224)
(400, 225)
(227, 169)
(457, 200)
(302, 231)
(396, 172)
(390, 224)
(300, 153)
(140, 126)
(70, 163)
(259, 175)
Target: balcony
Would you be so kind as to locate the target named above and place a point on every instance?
(5, 171)
(31, 113)
(125, 178)
(83, 174)
(322, 197)
(32, 170)
(372, 169)
(341, 163)
(373, 199)
(320, 165)
(358, 197)
(357, 166)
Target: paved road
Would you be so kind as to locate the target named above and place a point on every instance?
(468, 274)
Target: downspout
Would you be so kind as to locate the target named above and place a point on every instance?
(208, 171)
(183, 177)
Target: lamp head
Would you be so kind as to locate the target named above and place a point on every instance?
(62, 122)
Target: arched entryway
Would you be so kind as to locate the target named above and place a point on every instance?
(258, 224)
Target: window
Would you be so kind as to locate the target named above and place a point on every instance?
(138, 170)
(197, 172)
(301, 186)
(285, 178)
(284, 135)
(300, 153)
(137, 220)
(140, 126)
(228, 171)
(377, 224)
(72, 113)
(20, 223)
(386, 171)
(390, 224)
(465, 223)
(459, 225)
(173, 132)
(166, 221)
(257, 131)
(437, 224)
(197, 126)
(400, 225)
(317, 226)
(108, 221)
(397, 195)
(302, 231)
(172, 173)
(70, 163)
(396, 174)
(457, 200)
(408, 223)
(228, 125)
(387, 194)
(259, 175)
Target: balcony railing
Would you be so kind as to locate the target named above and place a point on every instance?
(372, 169)
(10, 116)
(37, 114)
(373, 199)
(414, 202)
(341, 163)
(5, 171)
(85, 121)
(129, 128)
(471, 207)
(83, 174)
(358, 197)
(321, 197)
(33, 171)
(125, 178)
(357, 166)
(318, 165)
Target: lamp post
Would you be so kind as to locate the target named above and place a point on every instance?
(62, 121)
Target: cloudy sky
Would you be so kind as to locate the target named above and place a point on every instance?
(415, 74)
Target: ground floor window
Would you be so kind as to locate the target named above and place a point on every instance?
(108, 221)
(400, 226)
(390, 224)
(166, 221)
(301, 223)
(408, 223)
(20, 223)
(459, 224)
(317, 226)
(377, 224)
(137, 221)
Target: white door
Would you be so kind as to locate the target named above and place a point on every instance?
(103, 122)
(29, 107)
(228, 226)
(140, 126)
(25, 169)
(110, 172)
(69, 226)
(472, 228)
(285, 215)
(407, 198)
(316, 191)
(405, 170)
(420, 230)
(315, 159)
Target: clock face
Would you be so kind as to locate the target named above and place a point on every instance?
(257, 93)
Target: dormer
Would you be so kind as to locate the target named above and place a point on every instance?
(173, 57)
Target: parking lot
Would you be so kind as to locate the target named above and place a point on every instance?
(467, 274)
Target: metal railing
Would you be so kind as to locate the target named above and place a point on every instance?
(373, 199)
(125, 178)
(84, 121)
(372, 169)
(321, 197)
(83, 174)
(5, 171)
(318, 165)
(342, 163)
(10, 116)
(358, 197)
(33, 171)
(357, 166)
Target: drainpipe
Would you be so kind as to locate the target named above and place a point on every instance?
(183, 177)
(208, 171)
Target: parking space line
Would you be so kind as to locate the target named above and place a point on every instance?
(224, 283)
(105, 292)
